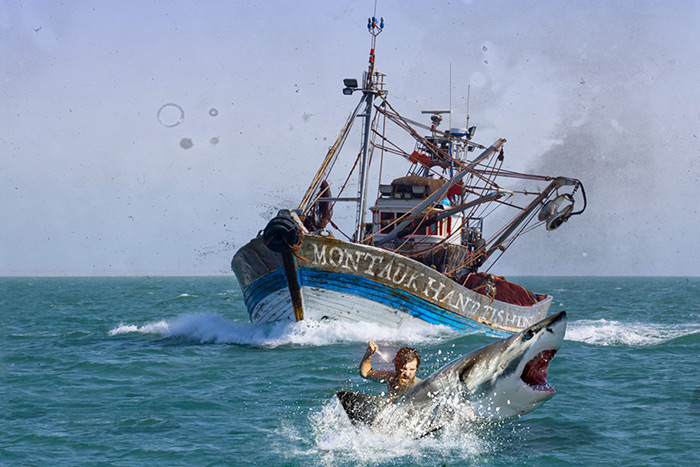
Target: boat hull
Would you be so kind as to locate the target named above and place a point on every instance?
(359, 283)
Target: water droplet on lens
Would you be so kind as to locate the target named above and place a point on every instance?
(186, 143)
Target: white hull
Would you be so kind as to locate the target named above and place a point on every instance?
(321, 304)
(359, 283)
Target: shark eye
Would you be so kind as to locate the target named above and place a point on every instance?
(528, 335)
(550, 330)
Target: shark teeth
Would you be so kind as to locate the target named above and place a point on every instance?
(535, 372)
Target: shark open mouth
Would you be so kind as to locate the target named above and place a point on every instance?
(535, 372)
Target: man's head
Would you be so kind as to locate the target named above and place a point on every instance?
(406, 363)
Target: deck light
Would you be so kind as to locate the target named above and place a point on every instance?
(418, 190)
(350, 86)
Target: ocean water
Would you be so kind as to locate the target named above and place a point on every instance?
(168, 371)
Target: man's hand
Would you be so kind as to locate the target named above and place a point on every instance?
(366, 364)
(372, 347)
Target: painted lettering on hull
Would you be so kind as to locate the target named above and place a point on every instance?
(403, 274)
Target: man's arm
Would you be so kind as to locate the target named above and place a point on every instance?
(366, 369)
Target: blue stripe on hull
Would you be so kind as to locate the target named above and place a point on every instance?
(263, 287)
(390, 296)
(347, 283)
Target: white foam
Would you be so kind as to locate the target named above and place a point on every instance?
(160, 327)
(610, 333)
(338, 441)
(212, 328)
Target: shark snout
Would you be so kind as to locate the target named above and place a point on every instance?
(554, 322)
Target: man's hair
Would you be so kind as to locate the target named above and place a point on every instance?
(405, 355)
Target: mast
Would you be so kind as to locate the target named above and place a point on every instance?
(370, 87)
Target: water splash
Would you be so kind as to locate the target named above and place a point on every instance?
(212, 328)
(336, 441)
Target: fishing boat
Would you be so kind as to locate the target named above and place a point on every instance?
(424, 249)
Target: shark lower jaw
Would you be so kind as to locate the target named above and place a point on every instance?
(534, 374)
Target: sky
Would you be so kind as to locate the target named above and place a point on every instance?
(158, 137)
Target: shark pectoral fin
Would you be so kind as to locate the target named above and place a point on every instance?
(434, 430)
(441, 417)
(361, 408)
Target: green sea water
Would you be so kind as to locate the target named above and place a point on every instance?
(168, 371)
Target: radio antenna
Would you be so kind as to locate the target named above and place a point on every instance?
(469, 90)
(450, 96)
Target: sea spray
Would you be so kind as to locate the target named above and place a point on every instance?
(605, 332)
(339, 442)
(212, 328)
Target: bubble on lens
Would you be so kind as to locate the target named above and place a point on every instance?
(170, 115)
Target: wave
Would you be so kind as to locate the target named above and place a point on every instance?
(688, 339)
(212, 328)
(179, 298)
(616, 333)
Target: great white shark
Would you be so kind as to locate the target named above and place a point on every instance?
(495, 383)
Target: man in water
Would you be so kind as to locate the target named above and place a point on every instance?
(400, 381)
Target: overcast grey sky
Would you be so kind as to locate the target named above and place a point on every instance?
(93, 180)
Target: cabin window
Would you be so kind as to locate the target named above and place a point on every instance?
(434, 228)
(420, 230)
(449, 226)
(386, 218)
